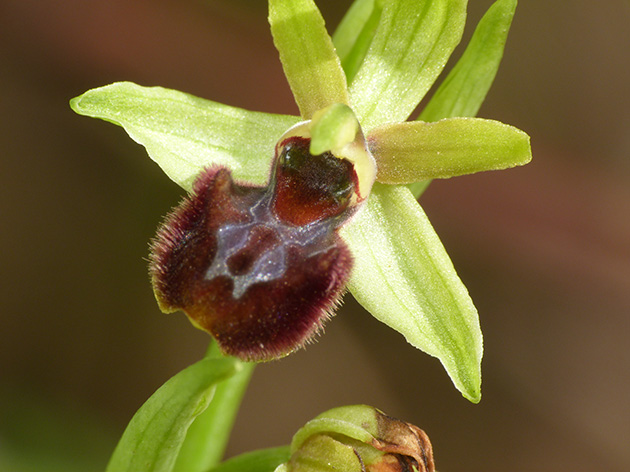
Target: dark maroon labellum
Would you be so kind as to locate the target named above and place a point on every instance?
(259, 268)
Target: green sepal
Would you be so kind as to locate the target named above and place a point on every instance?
(355, 32)
(466, 86)
(307, 54)
(183, 133)
(404, 278)
(155, 434)
(413, 42)
(414, 150)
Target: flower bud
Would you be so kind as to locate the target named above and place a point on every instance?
(359, 439)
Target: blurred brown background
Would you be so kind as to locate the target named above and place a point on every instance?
(544, 250)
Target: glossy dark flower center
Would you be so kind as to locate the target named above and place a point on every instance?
(309, 188)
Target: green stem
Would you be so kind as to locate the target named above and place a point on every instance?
(207, 437)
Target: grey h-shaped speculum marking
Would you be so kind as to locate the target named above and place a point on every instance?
(271, 264)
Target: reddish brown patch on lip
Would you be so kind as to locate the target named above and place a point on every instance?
(259, 268)
(310, 188)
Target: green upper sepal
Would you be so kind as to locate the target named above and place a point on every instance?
(308, 56)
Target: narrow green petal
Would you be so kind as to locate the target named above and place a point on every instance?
(466, 86)
(183, 134)
(353, 36)
(154, 435)
(414, 151)
(307, 54)
(403, 276)
(412, 44)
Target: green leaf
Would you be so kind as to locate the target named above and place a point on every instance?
(263, 460)
(208, 435)
(403, 276)
(466, 86)
(355, 32)
(332, 128)
(184, 134)
(307, 55)
(414, 151)
(154, 435)
(410, 48)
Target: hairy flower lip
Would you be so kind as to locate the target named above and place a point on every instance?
(259, 268)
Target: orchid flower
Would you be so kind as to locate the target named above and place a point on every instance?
(364, 230)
